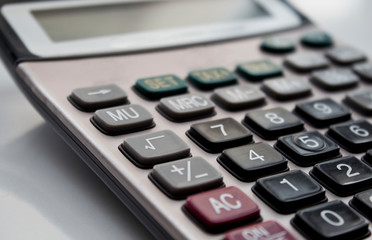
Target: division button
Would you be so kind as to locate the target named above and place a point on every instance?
(286, 88)
(362, 202)
(211, 78)
(278, 45)
(335, 79)
(360, 101)
(160, 86)
(345, 55)
(221, 209)
(290, 191)
(122, 119)
(259, 70)
(317, 39)
(149, 149)
(269, 230)
(250, 162)
(306, 62)
(273, 123)
(343, 176)
(90, 99)
(333, 220)
(186, 107)
(181, 178)
(364, 70)
(214, 136)
(238, 97)
(307, 148)
(322, 112)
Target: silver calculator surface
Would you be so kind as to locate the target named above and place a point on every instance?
(260, 137)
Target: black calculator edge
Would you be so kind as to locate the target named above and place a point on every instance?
(88, 158)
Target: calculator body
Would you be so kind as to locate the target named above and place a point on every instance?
(47, 75)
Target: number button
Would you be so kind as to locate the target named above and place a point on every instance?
(147, 150)
(322, 113)
(306, 149)
(250, 162)
(362, 202)
(214, 136)
(273, 123)
(290, 191)
(353, 136)
(343, 176)
(222, 209)
(332, 220)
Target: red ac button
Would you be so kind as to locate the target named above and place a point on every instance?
(222, 208)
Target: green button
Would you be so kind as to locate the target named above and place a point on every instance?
(212, 78)
(160, 86)
(317, 39)
(259, 70)
(278, 45)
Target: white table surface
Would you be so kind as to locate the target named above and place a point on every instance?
(47, 192)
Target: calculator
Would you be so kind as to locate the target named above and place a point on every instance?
(209, 119)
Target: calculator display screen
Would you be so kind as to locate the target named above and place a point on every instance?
(74, 23)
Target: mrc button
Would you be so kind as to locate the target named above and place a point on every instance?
(122, 119)
(185, 107)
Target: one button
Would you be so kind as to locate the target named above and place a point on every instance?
(160, 86)
(335, 79)
(212, 78)
(221, 209)
(322, 113)
(353, 136)
(305, 62)
(343, 176)
(317, 39)
(250, 162)
(364, 70)
(92, 98)
(259, 70)
(215, 136)
(286, 88)
(269, 230)
(147, 150)
(306, 149)
(181, 178)
(345, 55)
(290, 191)
(332, 220)
(186, 107)
(122, 119)
(362, 202)
(238, 97)
(278, 45)
(367, 158)
(360, 101)
(273, 123)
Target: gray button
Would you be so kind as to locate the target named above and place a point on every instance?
(122, 119)
(361, 101)
(305, 62)
(335, 79)
(345, 55)
(154, 148)
(238, 97)
(186, 107)
(364, 70)
(181, 178)
(93, 98)
(286, 88)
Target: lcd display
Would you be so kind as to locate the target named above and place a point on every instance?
(66, 24)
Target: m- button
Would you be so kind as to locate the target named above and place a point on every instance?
(222, 209)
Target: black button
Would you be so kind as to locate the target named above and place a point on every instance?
(278, 45)
(250, 162)
(317, 39)
(360, 101)
(362, 202)
(286, 88)
(333, 220)
(335, 79)
(343, 176)
(306, 149)
(367, 158)
(273, 123)
(353, 136)
(322, 113)
(364, 70)
(215, 136)
(290, 191)
(345, 55)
